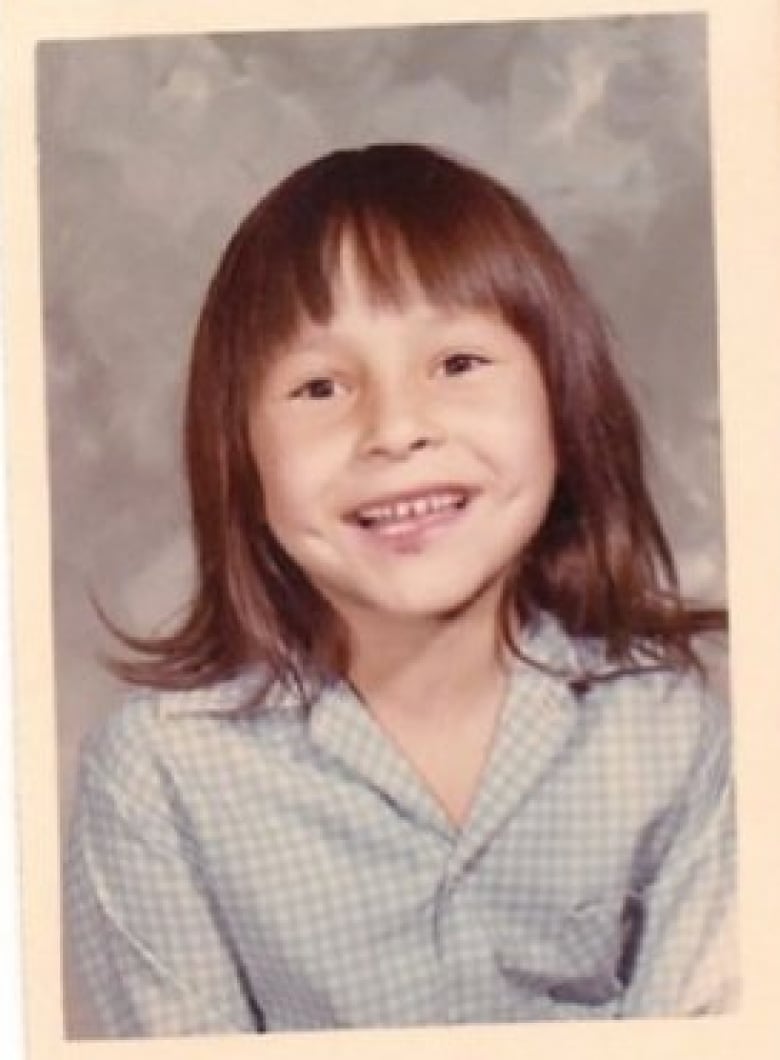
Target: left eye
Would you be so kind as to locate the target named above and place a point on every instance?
(318, 389)
(459, 362)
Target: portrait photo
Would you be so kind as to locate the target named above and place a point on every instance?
(388, 575)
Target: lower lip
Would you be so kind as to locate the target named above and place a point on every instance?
(414, 534)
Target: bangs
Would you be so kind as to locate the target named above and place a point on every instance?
(417, 223)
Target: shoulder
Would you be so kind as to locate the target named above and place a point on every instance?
(673, 736)
(670, 718)
(677, 705)
(153, 734)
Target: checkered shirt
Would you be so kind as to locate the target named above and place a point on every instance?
(290, 870)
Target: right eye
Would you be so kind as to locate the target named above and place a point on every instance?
(462, 361)
(320, 388)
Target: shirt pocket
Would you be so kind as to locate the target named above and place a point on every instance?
(582, 955)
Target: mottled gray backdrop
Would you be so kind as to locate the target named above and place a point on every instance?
(151, 149)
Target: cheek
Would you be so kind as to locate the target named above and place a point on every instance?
(275, 477)
(296, 488)
(522, 435)
(283, 492)
(537, 428)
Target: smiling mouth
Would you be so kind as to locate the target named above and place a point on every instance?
(404, 513)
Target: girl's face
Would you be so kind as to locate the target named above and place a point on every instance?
(406, 454)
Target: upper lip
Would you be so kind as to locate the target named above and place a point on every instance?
(376, 505)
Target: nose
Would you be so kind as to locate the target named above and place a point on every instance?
(399, 420)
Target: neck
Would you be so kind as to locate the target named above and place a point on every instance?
(437, 667)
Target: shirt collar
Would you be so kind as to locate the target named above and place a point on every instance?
(342, 727)
(227, 697)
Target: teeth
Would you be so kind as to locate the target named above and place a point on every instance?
(409, 509)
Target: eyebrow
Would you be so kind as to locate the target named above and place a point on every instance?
(305, 345)
(313, 338)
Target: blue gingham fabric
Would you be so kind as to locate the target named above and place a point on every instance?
(290, 870)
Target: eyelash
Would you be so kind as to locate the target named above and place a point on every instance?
(463, 358)
(308, 389)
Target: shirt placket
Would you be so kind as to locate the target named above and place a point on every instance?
(536, 724)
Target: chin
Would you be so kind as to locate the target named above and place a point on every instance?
(432, 606)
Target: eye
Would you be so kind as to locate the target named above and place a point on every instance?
(320, 388)
(461, 361)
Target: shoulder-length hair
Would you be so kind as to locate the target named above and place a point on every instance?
(600, 561)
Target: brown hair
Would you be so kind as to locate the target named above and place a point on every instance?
(600, 562)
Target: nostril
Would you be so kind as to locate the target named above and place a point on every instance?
(399, 438)
(398, 423)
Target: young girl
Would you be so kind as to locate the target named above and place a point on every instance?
(432, 744)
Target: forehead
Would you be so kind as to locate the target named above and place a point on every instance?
(413, 328)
